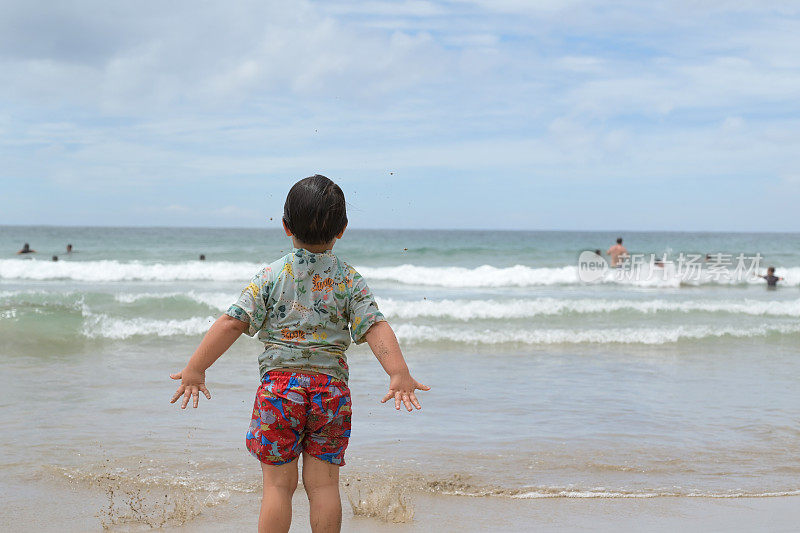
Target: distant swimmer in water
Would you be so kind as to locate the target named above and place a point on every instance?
(55, 258)
(26, 249)
(69, 249)
(202, 257)
(598, 253)
(772, 279)
(617, 252)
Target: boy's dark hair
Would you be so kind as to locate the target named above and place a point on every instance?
(771, 269)
(619, 240)
(315, 210)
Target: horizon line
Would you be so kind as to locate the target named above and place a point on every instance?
(499, 230)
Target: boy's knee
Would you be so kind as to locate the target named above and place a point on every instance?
(326, 490)
(319, 476)
(291, 486)
(318, 483)
(284, 489)
(282, 478)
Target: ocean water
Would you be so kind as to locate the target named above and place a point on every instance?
(543, 385)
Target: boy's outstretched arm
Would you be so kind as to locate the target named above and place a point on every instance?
(221, 335)
(384, 345)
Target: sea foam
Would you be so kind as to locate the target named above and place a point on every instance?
(104, 326)
(214, 300)
(412, 334)
(443, 276)
(459, 309)
(127, 271)
(465, 310)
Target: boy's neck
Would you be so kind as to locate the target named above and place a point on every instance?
(313, 248)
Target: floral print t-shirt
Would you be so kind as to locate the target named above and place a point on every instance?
(305, 308)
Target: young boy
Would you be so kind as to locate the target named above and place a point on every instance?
(305, 307)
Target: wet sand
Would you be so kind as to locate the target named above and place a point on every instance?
(75, 508)
(452, 513)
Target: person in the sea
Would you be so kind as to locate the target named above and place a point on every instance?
(202, 257)
(69, 249)
(305, 307)
(772, 279)
(617, 253)
(26, 249)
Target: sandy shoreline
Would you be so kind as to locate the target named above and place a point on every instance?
(454, 513)
(80, 508)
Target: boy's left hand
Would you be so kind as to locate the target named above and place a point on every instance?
(192, 384)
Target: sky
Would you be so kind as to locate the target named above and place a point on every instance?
(473, 114)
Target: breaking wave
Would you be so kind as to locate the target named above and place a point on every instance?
(106, 327)
(446, 276)
(103, 326)
(126, 271)
(465, 310)
(412, 334)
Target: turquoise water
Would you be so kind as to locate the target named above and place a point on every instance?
(543, 385)
(385, 247)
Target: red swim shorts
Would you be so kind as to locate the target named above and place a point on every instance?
(296, 412)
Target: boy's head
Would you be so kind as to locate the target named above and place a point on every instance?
(315, 210)
(619, 240)
(771, 271)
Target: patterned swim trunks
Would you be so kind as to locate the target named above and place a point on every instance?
(296, 412)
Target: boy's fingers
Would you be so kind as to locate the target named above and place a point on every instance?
(186, 395)
(406, 402)
(205, 391)
(415, 401)
(397, 400)
(195, 398)
(175, 376)
(388, 395)
(177, 394)
(420, 386)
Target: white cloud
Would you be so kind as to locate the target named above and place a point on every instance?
(731, 124)
(478, 40)
(392, 7)
(522, 6)
(587, 64)
(215, 55)
(111, 98)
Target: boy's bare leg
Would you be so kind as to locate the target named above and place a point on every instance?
(321, 481)
(280, 483)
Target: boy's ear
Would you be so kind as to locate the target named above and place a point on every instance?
(341, 232)
(286, 228)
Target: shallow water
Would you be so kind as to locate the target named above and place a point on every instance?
(543, 386)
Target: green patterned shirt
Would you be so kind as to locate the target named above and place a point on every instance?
(305, 308)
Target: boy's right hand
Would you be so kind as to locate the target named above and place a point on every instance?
(192, 383)
(402, 387)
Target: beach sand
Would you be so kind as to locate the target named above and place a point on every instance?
(453, 513)
(78, 508)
